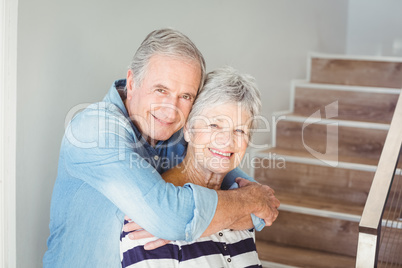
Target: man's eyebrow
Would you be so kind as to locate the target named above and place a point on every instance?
(161, 86)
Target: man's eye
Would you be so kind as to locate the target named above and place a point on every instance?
(161, 90)
(213, 125)
(187, 97)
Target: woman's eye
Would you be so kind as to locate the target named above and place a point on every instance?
(213, 126)
(240, 131)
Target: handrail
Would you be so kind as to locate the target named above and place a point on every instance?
(371, 221)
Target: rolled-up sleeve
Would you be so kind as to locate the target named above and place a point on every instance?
(100, 148)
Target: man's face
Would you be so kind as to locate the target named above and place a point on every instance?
(160, 105)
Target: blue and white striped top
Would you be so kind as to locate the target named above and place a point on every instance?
(226, 248)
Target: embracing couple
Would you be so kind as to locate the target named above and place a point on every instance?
(148, 177)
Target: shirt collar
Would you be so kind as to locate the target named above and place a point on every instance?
(114, 97)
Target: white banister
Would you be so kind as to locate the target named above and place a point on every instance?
(8, 118)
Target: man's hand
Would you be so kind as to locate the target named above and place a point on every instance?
(137, 232)
(265, 199)
(235, 206)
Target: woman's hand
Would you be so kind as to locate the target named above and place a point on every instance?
(137, 232)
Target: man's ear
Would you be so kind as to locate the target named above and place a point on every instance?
(186, 133)
(129, 82)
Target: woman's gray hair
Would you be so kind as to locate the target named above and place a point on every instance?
(166, 42)
(226, 85)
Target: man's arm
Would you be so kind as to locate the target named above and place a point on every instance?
(233, 211)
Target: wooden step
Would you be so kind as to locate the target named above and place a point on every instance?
(344, 137)
(338, 236)
(300, 257)
(349, 185)
(374, 104)
(279, 156)
(356, 71)
(321, 224)
(319, 206)
(346, 181)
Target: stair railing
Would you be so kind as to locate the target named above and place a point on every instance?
(377, 247)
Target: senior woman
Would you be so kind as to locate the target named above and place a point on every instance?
(217, 131)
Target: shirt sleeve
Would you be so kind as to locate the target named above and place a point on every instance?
(99, 147)
(231, 177)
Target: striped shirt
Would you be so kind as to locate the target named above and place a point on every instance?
(226, 248)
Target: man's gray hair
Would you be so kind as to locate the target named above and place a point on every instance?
(226, 85)
(166, 42)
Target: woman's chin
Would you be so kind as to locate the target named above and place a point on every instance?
(220, 170)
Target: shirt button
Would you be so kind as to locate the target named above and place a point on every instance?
(156, 157)
(229, 259)
(220, 234)
(225, 247)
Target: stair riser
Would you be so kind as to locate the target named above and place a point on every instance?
(297, 257)
(337, 184)
(346, 141)
(356, 72)
(371, 107)
(313, 232)
(327, 234)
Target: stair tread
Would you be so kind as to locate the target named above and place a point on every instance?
(307, 155)
(341, 121)
(299, 257)
(376, 105)
(354, 88)
(356, 72)
(336, 139)
(318, 203)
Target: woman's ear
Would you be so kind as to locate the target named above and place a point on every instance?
(186, 133)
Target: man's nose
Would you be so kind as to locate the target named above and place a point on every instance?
(168, 111)
(169, 108)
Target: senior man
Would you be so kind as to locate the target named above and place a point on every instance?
(113, 151)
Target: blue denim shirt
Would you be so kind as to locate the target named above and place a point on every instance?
(107, 170)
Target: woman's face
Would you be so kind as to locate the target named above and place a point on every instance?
(218, 137)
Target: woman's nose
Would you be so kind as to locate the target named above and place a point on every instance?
(224, 138)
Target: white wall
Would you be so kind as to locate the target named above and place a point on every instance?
(69, 52)
(375, 27)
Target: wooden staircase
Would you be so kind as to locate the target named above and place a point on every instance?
(323, 158)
